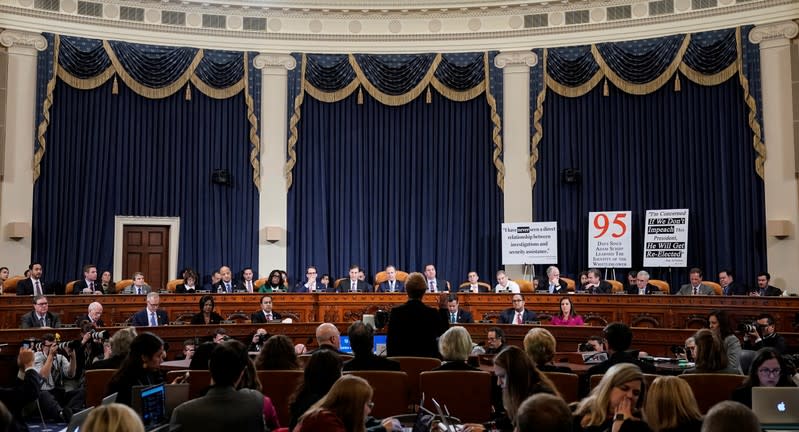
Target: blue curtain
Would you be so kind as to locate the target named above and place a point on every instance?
(407, 185)
(123, 154)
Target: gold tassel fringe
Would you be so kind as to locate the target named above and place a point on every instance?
(360, 96)
(115, 86)
(428, 97)
(188, 91)
(605, 90)
(677, 85)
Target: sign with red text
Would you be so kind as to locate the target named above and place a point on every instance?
(609, 239)
(530, 243)
(666, 238)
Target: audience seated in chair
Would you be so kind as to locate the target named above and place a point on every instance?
(362, 343)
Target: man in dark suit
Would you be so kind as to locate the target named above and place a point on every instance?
(728, 284)
(473, 285)
(763, 287)
(353, 284)
(310, 284)
(223, 407)
(266, 313)
(40, 316)
(227, 285)
(95, 312)
(517, 314)
(87, 285)
(362, 343)
(138, 287)
(150, 316)
(413, 328)
(434, 284)
(553, 283)
(596, 285)
(457, 315)
(392, 284)
(33, 285)
(328, 338)
(642, 285)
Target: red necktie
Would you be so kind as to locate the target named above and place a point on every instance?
(518, 317)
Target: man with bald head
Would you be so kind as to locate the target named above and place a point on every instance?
(227, 285)
(94, 316)
(328, 337)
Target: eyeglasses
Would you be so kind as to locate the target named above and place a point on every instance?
(769, 372)
(41, 304)
(371, 405)
(518, 300)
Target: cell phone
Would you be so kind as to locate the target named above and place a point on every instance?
(26, 345)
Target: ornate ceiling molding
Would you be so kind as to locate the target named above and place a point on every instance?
(776, 34)
(527, 59)
(22, 40)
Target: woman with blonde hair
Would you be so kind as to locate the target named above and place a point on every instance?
(671, 406)
(614, 403)
(343, 409)
(540, 345)
(455, 345)
(113, 418)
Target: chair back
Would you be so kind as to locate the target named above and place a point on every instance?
(413, 366)
(279, 385)
(10, 285)
(69, 287)
(569, 283)
(716, 287)
(96, 384)
(199, 380)
(615, 285)
(338, 282)
(260, 282)
(382, 276)
(525, 286)
(124, 283)
(479, 283)
(594, 380)
(391, 391)
(662, 285)
(172, 285)
(710, 389)
(566, 383)
(467, 394)
(239, 317)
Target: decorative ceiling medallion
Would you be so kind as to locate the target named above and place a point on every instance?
(556, 18)
(598, 15)
(640, 10)
(194, 20)
(434, 25)
(515, 22)
(69, 6)
(275, 24)
(475, 24)
(394, 26)
(682, 5)
(111, 11)
(235, 22)
(152, 16)
(315, 26)
(355, 27)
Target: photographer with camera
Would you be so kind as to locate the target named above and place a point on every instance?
(55, 401)
(762, 333)
(258, 340)
(87, 349)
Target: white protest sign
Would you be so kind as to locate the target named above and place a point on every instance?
(609, 239)
(530, 243)
(666, 238)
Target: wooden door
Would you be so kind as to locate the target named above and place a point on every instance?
(145, 248)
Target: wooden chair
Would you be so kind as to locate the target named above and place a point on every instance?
(467, 394)
(260, 282)
(69, 287)
(239, 317)
(279, 385)
(480, 283)
(716, 287)
(566, 383)
(710, 389)
(124, 283)
(381, 277)
(594, 380)
(391, 390)
(173, 284)
(414, 366)
(199, 380)
(616, 286)
(338, 282)
(569, 283)
(662, 285)
(96, 384)
(525, 286)
(10, 286)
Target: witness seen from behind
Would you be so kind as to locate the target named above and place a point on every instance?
(671, 406)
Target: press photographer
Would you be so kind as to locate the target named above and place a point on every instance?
(258, 340)
(762, 333)
(56, 362)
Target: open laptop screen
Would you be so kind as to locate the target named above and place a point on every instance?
(152, 405)
(378, 345)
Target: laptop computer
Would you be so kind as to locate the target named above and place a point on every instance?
(378, 344)
(150, 403)
(777, 408)
(108, 400)
(176, 394)
(443, 420)
(77, 420)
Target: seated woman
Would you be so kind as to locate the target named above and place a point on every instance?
(273, 284)
(141, 367)
(583, 281)
(250, 380)
(613, 405)
(671, 406)
(321, 372)
(719, 323)
(277, 353)
(343, 409)
(768, 370)
(567, 315)
(711, 356)
(189, 285)
(455, 345)
(107, 285)
(540, 346)
(206, 314)
(519, 379)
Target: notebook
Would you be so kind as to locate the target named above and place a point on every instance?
(777, 408)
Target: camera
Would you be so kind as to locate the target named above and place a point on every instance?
(749, 327)
(585, 347)
(99, 336)
(262, 337)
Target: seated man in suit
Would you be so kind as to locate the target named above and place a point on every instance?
(223, 407)
(763, 287)
(310, 284)
(362, 343)
(266, 313)
(728, 284)
(495, 340)
(642, 285)
(391, 284)
(457, 315)
(33, 284)
(434, 284)
(553, 283)
(517, 314)
(595, 285)
(93, 316)
(138, 287)
(329, 338)
(696, 287)
(226, 285)
(88, 285)
(150, 316)
(473, 286)
(215, 278)
(504, 284)
(40, 317)
(353, 284)
(247, 280)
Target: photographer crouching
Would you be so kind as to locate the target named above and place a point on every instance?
(762, 333)
(54, 367)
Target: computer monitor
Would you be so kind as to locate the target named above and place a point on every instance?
(378, 344)
(77, 420)
(153, 403)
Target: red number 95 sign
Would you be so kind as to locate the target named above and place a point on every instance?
(609, 239)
